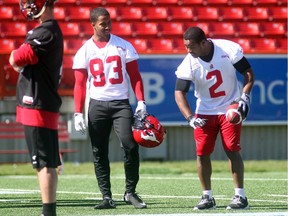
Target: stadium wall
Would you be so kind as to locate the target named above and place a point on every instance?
(264, 133)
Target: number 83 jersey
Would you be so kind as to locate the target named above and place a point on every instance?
(215, 82)
(107, 76)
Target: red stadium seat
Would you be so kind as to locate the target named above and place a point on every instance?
(265, 2)
(6, 45)
(281, 45)
(154, 13)
(71, 46)
(170, 29)
(113, 12)
(11, 76)
(231, 13)
(263, 45)
(77, 13)
(178, 45)
(203, 25)
(241, 2)
(59, 13)
(221, 29)
(255, 14)
(205, 13)
(13, 29)
(6, 13)
(10, 2)
(139, 44)
(122, 29)
(219, 3)
(129, 13)
(71, 2)
(140, 2)
(89, 2)
(278, 14)
(247, 29)
(86, 29)
(160, 45)
(145, 29)
(180, 13)
(116, 2)
(70, 28)
(189, 2)
(244, 43)
(67, 79)
(273, 29)
(165, 2)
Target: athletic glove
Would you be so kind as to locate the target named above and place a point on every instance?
(243, 104)
(196, 122)
(141, 106)
(79, 122)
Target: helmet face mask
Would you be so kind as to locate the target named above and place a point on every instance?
(147, 130)
(32, 9)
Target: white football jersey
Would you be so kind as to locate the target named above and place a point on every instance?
(215, 82)
(107, 76)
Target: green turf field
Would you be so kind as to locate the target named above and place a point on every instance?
(166, 187)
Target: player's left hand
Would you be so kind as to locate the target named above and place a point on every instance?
(79, 123)
(141, 106)
(244, 104)
(195, 122)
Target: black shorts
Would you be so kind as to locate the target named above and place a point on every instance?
(43, 146)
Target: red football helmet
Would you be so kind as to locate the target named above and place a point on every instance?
(33, 9)
(147, 130)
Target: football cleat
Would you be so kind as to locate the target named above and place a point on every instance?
(147, 130)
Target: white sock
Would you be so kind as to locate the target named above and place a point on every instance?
(208, 192)
(240, 192)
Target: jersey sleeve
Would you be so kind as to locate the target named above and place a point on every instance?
(79, 61)
(184, 70)
(234, 51)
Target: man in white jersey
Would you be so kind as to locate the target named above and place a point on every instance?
(109, 64)
(211, 65)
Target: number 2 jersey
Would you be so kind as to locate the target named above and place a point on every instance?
(107, 75)
(215, 82)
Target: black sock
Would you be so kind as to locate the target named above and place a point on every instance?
(49, 209)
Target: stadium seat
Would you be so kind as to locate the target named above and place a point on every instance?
(145, 29)
(247, 29)
(71, 46)
(205, 13)
(6, 13)
(243, 42)
(231, 13)
(160, 45)
(89, 2)
(86, 29)
(245, 3)
(67, 79)
(13, 29)
(219, 3)
(221, 29)
(139, 44)
(70, 2)
(59, 13)
(113, 12)
(189, 2)
(255, 14)
(273, 29)
(203, 25)
(129, 14)
(278, 14)
(6, 45)
(122, 29)
(140, 2)
(178, 46)
(265, 3)
(180, 13)
(11, 76)
(77, 14)
(281, 45)
(10, 2)
(154, 13)
(165, 2)
(170, 29)
(263, 45)
(69, 28)
(115, 2)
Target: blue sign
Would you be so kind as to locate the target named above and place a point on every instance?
(268, 97)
